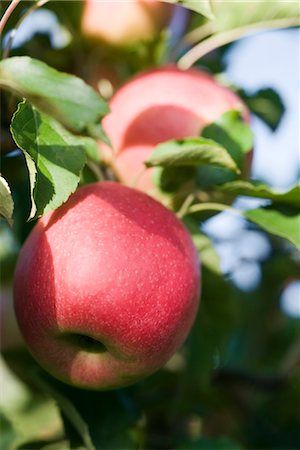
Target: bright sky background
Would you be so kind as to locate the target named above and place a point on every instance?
(272, 59)
(268, 59)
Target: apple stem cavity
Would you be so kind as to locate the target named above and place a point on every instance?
(84, 342)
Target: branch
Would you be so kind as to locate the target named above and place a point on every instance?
(7, 14)
(20, 21)
(226, 37)
(257, 381)
(290, 365)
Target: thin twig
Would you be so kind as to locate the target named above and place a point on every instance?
(220, 39)
(18, 24)
(199, 33)
(96, 170)
(7, 14)
(254, 380)
(185, 206)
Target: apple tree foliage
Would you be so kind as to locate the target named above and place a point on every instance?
(236, 382)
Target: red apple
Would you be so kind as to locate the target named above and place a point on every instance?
(124, 22)
(157, 106)
(106, 287)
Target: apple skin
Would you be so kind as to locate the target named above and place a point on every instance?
(106, 287)
(124, 22)
(157, 106)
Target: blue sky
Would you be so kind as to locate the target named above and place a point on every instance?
(272, 59)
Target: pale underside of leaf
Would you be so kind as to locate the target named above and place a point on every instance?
(283, 223)
(191, 152)
(6, 201)
(260, 190)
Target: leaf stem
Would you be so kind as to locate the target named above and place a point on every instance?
(226, 37)
(96, 170)
(7, 14)
(185, 206)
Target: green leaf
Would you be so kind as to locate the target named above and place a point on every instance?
(29, 415)
(191, 152)
(60, 445)
(241, 14)
(8, 434)
(266, 104)
(6, 201)
(202, 7)
(55, 157)
(70, 412)
(65, 97)
(237, 19)
(260, 190)
(281, 221)
(217, 314)
(232, 133)
(170, 179)
(97, 132)
(91, 149)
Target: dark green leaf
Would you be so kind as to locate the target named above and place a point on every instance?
(97, 132)
(283, 222)
(191, 152)
(266, 104)
(65, 97)
(8, 434)
(170, 179)
(91, 149)
(70, 412)
(55, 157)
(33, 416)
(217, 314)
(6, 201)
(112, 417)
(260, 190)
(232, 133)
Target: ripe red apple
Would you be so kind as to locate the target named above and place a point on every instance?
(157, 106)
(106, 287)
(124, 22)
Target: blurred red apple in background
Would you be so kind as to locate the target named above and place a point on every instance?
(106, 287)
(157, 106)
(123, 22)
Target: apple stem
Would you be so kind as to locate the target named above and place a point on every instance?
(84, 342)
